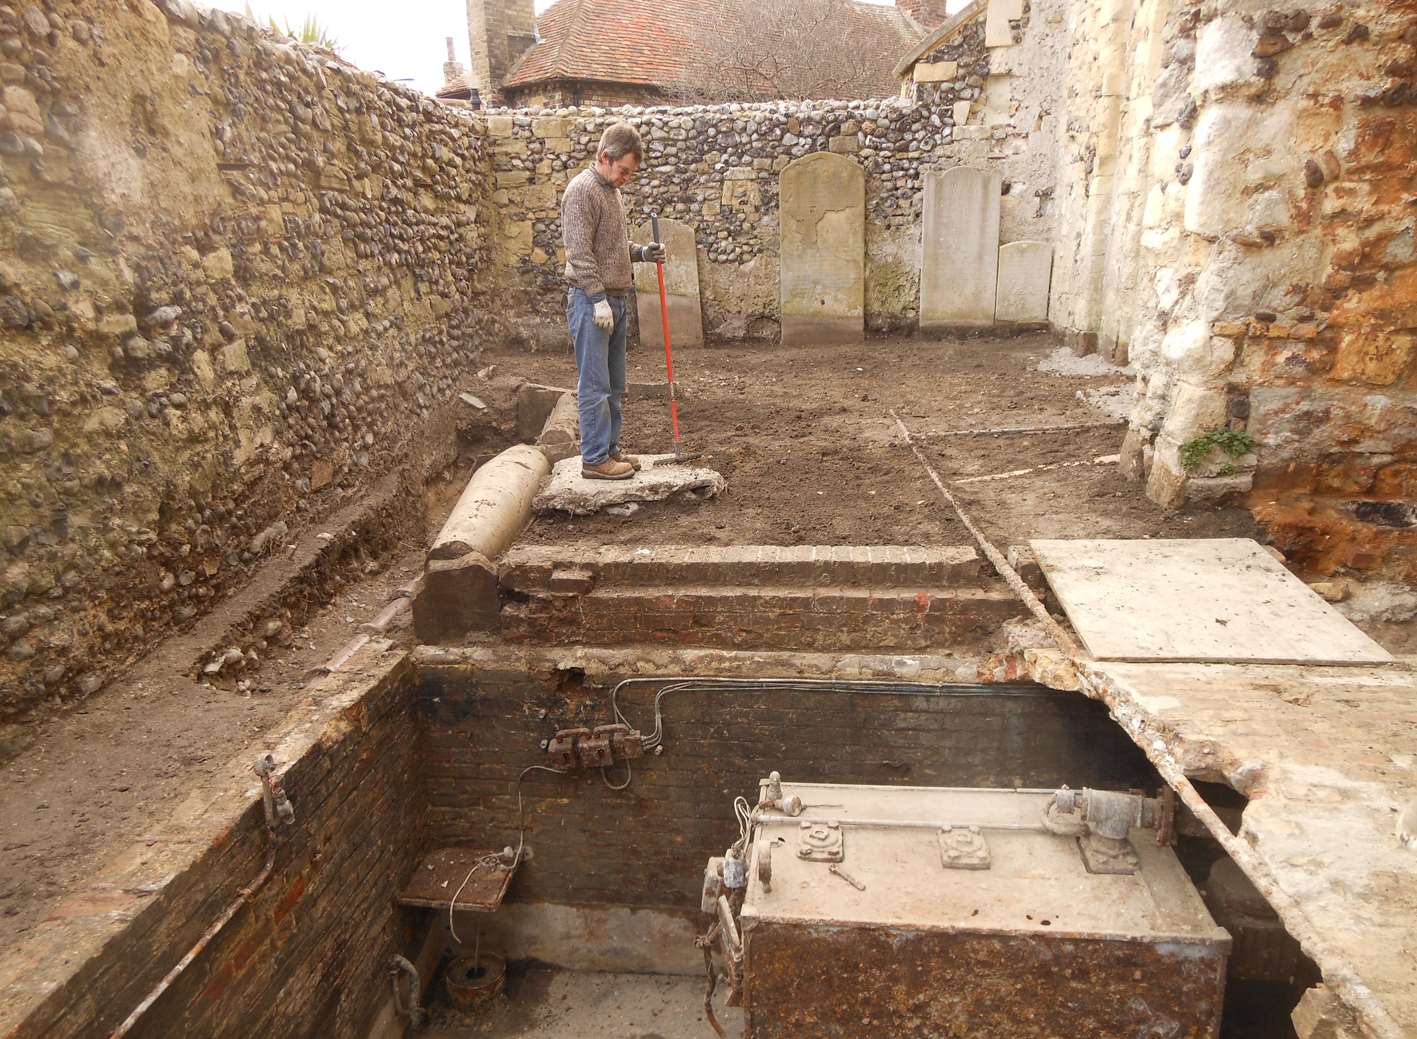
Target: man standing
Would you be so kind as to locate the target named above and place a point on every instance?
(598, 258)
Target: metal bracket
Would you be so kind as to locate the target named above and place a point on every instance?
(821, 842)
(963, 847)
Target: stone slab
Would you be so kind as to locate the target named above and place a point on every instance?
(1202, 599)
(1325, 756)
(997, 32)
(960, 248)
(681, 287)
(1025, 273)
(568, 491)
(823, 250)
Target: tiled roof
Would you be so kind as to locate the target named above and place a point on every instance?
(646, 42)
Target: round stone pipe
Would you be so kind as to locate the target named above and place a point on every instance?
(494, 507)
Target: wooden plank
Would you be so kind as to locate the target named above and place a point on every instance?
(1211, 600)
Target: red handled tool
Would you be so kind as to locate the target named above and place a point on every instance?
(680, 455)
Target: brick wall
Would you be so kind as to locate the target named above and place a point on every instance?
(647, 846)
(307, 956)
(835, 598)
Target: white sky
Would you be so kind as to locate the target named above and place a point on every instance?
(403, 41)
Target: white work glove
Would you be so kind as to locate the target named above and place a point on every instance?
(604, 316)
(653, 253)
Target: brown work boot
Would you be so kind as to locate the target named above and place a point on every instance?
(607, 470)
(630, 460)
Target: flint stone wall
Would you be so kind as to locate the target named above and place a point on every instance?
(220, 259)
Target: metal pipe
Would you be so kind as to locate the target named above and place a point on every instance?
(414, 1012)
(1065, 641)
(210, 933)
(901, 824)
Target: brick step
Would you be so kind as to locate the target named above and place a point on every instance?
(833, 618)
(533, 569)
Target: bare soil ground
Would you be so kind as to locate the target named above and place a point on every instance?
(568, 1005)
(805, 439)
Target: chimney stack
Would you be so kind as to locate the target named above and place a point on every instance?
(929, 13)
(499, 31)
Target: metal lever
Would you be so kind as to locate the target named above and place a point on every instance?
(846, 877)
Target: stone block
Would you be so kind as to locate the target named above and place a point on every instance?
(822, 255)
(1236, 148)
(961, 114)
(681, 288)
(549, 126)
(1025, 272)
(935, 71)
(1194, 411)
(997, 32)
(455, 597)
(534, 406)
(1223, 57)
(960, 242)
(499, 125)
(234, 358)
(218, 264)
(843, 145)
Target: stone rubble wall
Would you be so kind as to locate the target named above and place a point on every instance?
(1236, 199)
(716, 168)
(237, 279)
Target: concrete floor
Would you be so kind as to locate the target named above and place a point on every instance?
(580, 1005)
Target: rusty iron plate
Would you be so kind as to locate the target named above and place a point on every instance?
(442, 872)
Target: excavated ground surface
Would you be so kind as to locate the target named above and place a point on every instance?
(96, 777)
(812, 456)
(571, 1005)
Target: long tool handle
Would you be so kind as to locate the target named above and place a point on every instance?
(668, 352)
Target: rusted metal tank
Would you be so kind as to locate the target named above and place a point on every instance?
(921, 912)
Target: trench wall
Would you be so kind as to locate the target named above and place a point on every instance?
(308, 955)
(220, 259)
(595, 846)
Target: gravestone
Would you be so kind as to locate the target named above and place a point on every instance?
(1025, 269)
(681, 288)
(823, 250)
(960, 248)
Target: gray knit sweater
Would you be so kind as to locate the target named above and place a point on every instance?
(593, 231)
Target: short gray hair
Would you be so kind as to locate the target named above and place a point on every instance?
(619, 140)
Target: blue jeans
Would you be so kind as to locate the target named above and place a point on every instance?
(600, 359)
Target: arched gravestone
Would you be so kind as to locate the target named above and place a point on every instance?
(681, 288)
(1025, 270)
(960, 248)
(822, 256)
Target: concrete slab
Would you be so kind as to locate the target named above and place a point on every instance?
(1325, 755)
(568, 491)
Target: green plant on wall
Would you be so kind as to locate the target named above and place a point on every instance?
(1234, 442)
(310, 31)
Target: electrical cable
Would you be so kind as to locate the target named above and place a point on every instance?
(495, 859)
